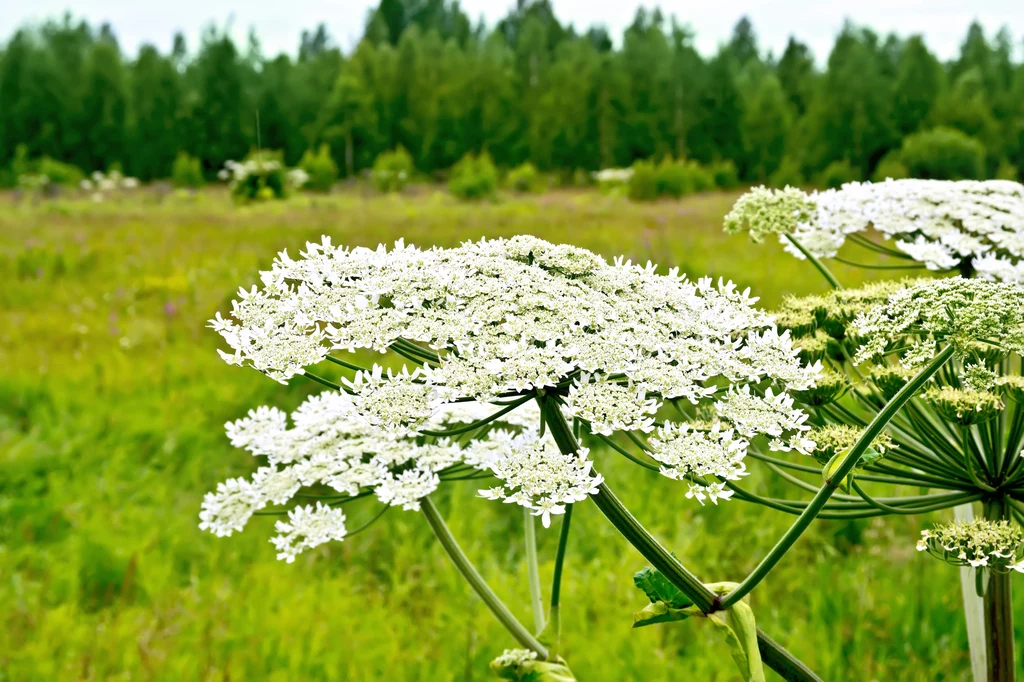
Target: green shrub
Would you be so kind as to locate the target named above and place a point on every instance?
(891, 166)
(474, 177)
(1007, 171)
(392, 170)
(837, 174)
(643, 182)
(672, 179)
(187, 171)
(261, 176)
(944, 154)
(526, 179)
(725, 174)
(701, 178)
(60, 173)
(788, 174)
(319, 165)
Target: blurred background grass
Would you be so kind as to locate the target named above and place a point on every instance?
(112, 402)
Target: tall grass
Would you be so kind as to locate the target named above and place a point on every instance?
(112, 401)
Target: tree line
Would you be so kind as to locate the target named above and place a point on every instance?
(529, 88)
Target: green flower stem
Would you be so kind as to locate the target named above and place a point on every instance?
(899, 476)
(533, 571)
(833, 282)
(476, 581)
(555, 624)
(948, 500)
(321, 380)
(346, 365)
(483, 422)
(999, 642)
(774, 655)
(846, 467)
(625, 453)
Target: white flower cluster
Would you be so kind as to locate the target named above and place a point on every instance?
(613, 176)
(935, 222)
(496, 319)
(963, 312)
(236, 172)
(102, 184)
(536, 475)
(995, 545)
(702, 457)
(331, 445)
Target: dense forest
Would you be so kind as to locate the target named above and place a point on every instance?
(529, 88)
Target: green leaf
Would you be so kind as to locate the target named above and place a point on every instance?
(658, 588)
(660, 612)
(740, 629)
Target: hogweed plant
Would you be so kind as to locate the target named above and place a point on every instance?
(960, 433)
(519, 356)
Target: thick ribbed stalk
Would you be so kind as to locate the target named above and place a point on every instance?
(533, 570)
(772, 654)
(815, 506)
(999, 645)
(477, 582)
(974, 608)
(825, 272)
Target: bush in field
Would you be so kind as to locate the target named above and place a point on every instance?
(261, 176)
(788, 174)
(1007, 171)
(319, 165)
(891, 166)
(187, 171)
(474, 177)
(701, 178)
(672, 178)
(643, 181)
(392, 170)
(60, 173)
(725, 174)
(944, 154)
(525, 178)
(837, 174)
(610, 179)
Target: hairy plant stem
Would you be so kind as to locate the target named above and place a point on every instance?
(533, 570)
(774, 655)
(477, 582)
(999, 645)
(815, 506)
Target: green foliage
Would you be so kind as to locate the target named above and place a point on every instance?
(943, 154)
(59, 173)
(474, 177)
(260, 177)
(1007, 171)
(392, 170)
(187, 171)
(525, 178)
(320, 167)
(837, 174)
(672, 179)
(891, 166)
(789, 173)
(725, 174)
(643, 183)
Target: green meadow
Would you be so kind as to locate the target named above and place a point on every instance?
(112, 405)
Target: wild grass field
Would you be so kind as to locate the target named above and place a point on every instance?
(112, 401)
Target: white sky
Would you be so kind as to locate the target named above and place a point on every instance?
(278, 24)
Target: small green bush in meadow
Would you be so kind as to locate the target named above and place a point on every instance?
(701, 179)
(643, 183)
(1007, 171)
(788, 174)
(260, 177)
(474, 177)
(725, 174)
(60, 173)
(837, 174)
(525, 179)
(392, 170)
(672, 178)
(944, 154)
(319, 165)
(891, 166)
(187, 171)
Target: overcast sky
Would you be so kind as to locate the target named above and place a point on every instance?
(278, 24)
